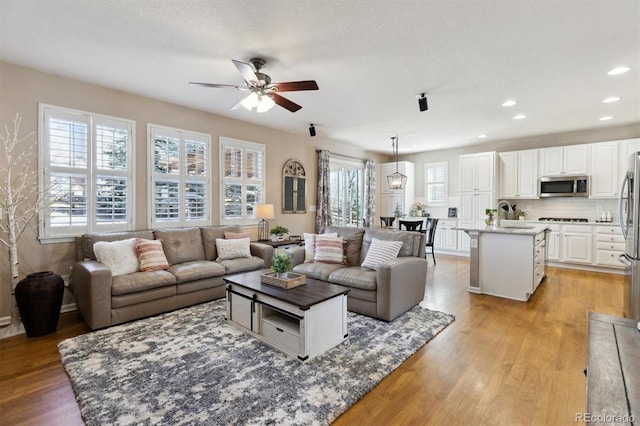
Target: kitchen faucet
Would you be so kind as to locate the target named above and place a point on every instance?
(498, 210)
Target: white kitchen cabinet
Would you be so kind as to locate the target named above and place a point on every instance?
(519, 174)
(604, 180)
(570, 160)
(553, 244)
(446, 237)
(609, 246)
(389, 198)
(577, 243)
(477, 172)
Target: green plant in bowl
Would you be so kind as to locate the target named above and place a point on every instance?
(279, 230)
(281, 263)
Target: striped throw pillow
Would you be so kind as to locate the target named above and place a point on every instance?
(150, 255)
(329, 249)
(381, 251)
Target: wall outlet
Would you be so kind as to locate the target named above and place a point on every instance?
(312, 208)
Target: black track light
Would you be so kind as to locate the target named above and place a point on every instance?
(312, 130)
(422, 102)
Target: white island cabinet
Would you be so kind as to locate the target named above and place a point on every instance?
(507, 261)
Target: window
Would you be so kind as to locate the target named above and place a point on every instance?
(86, 169)
(242, 169)
(435, 178)
(180, 187)
(347, 199)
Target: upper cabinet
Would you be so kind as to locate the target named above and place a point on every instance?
(570, 160)
(477, 172)
(519, 174)
(604, 181)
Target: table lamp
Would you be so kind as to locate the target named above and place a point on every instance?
(263, 212)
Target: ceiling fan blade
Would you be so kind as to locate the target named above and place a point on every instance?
(285, 103)
(247, 71)
(293, 86)
(232, 86)
(239, 103)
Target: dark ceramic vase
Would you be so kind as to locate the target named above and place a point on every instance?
(39, 298)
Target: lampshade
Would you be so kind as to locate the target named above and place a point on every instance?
(396, 180)
(264, 211)
(250, 101)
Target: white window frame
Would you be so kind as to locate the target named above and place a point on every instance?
(182, 177)
(445, 183)
(53, 234)
(353, 165)
(245, 219)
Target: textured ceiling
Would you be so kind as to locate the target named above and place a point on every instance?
(369, 57)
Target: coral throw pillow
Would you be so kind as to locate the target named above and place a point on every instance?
(329, 249)
(119, 256)
(381, 251)
(150, 255)
(310, 245)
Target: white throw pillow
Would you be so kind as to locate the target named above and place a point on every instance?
(310, 245)
(119, 256)
(233, 249)
(381, 251)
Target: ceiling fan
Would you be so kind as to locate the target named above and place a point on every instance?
(262, 93)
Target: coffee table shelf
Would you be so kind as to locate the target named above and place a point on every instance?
(302, 322)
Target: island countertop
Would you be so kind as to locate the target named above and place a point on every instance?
(524, 229)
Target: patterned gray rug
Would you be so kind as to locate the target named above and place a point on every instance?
(189, 367)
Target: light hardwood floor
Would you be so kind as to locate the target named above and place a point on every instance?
(501, 362)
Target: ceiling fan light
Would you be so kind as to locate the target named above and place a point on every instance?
(265, 103)
(250, 101)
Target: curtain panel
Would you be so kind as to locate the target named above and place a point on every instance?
(369, 193)
(323, 212)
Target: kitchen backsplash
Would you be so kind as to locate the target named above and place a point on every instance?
(568, 207)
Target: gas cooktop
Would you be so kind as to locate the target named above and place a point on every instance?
(562, 219)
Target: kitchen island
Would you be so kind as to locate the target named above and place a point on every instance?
(507, 261)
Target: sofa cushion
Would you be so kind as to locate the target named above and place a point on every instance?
(150, 255)
(381, 251)
(233, 249)
(413, 243)
(353, 242)
(209, 236)
(242, 264)
(355, 277)
(181, 244)
(119, 256)
(329, 250)
(140, 281)
(85, 245)
(196, 270)
(318, 271)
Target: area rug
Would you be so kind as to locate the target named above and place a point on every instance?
(190, 367)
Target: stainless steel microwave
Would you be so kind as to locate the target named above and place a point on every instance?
(564, 186)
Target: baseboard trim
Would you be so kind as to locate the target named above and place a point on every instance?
(68, 308)
(5, 321)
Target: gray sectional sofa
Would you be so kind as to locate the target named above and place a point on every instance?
(386, 293)
(194, 276)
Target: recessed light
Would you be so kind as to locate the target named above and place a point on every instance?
(606, 118)
(509, 103)
(519, 117)
(482, 136)
(611, 99)
(618, 70)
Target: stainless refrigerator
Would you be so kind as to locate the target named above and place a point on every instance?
(629, 214)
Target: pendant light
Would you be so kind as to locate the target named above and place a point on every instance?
(396, 180)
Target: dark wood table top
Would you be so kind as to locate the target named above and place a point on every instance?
(303, 297)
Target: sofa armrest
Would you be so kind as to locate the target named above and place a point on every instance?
(263, 251)
(297, 254)
(91, 287)
(401, 285)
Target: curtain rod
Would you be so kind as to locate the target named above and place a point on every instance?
(342, 155)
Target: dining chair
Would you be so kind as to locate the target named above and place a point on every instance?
(387, 221)
(431, 233)
(411, 225)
